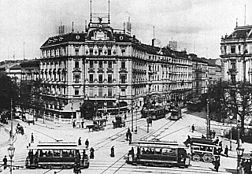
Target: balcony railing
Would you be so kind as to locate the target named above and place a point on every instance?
(232, 71)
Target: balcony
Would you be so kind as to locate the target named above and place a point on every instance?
(232, 71)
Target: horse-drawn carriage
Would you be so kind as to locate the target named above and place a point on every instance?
(97, 125)
(119, 122)
(203, 149)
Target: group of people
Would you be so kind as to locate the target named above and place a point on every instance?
(87, 145)
(81, 124)
(86, 142)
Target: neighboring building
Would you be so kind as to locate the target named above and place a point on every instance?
(214, 71)
(108, 66)
(12, 69)
(234, 49)
(200, 75)
(30, 100)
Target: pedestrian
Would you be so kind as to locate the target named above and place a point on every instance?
(112, 152)
(139, 152)
(82, 123)
(130, 137)
(79, 141)
(73, 123)
(214, 134)
(76, 168)
(87, 143)
(5, 162)
(127, 136)
(132, 153)
(216, 141)
(91, 153)
(217, 164)
(32, 138)
(193, 128)
(226, 151)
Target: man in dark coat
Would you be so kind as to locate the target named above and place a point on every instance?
(5, 162)
(79, 141)
(91, 153)
(112, 151)
(87, 143)
(226, 151)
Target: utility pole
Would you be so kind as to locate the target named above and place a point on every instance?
(11, 134)
(208, 120)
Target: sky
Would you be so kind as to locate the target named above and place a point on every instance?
(197, 25)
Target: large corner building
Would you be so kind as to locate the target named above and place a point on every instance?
(108, 66)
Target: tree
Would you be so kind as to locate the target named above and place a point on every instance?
(88, 109)
(231, 99)
(8, 91)
(216, 97)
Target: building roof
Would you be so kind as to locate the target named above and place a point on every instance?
(68, 37)
(15, 67)
(241, 32)
(30, 63)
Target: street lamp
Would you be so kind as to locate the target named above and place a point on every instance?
(11, 151)
(137, 107)
(239, 151)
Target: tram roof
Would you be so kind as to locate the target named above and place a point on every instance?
(160, 144)
(201, 141)
(57, 145)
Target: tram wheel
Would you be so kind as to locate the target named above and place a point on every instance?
(207, 158)
(196, 158)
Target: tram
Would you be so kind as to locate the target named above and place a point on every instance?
(175, 114)
(158, 153)
(57, 155)
(154, 113)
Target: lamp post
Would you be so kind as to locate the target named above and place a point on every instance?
(230, 138)
(239, 151)
(11, 151)
(136, 117)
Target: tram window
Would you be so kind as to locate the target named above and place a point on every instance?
(65, 153)
(56, 153)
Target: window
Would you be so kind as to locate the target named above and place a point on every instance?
(91, 51)
(109, 52)
(110, 92)
(232, 49)
(91, 78)
(76, 92)
(91, 64)
(123, 78)
(91, 91)
(77, 78)
(123, 52)
(100, 78)
(109, 78)
(100, 92)
(76, 64)
(123, 65)
(100, 64)
(100, 52)
(76, 51)
(109, 64)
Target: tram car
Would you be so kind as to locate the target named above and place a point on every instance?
(203, 149)
(158, 153)
(175, 114)
(57, 155)
(119, 122)
(154, 113)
